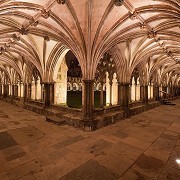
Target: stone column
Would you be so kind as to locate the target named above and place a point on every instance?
(9, 92)
(152, 94)
(114, 91)
(33, 90)
(19, 90)
(38, 94)
(149, 91)
(156, 92)
(126, 94)
(120, 93)
(12, 91)
(110, 83)
(22, 90)
(25, 92)
(101, 96)
(144, 94)
(107, 90)
(6, 90)
(46, 95)
(88, 99)
(133, 92)
(29, 92)
(138, 92)
(52, 93)
(175, 87)
(2, 89)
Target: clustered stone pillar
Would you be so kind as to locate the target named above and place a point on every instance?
(156, 92)
(111, 89)
(88, 99)
(0, 89)
(125, 93)
(29, 92)
(6, 90)
(101, 95)
(119, 94)
(144, 94)
(46, 95)
(13, 92)
(110, 83)
(25, 92)
(38, 91)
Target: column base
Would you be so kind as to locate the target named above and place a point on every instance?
(89, 125)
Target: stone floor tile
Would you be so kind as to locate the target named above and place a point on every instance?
(148, 166)
(69, 141)
(90, 170)
(98, 147)
(30, 168)
(6, 140)
(13, 153)
(136, 143)
(126, 150)
(112, 161)
(174, 127)
(133, 175)
(120, 134)
(26, 135)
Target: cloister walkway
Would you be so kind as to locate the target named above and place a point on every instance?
(145, 146)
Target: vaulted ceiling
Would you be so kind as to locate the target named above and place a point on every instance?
(143, 34)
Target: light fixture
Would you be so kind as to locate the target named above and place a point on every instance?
(178, 62)
(178, 161)
(119, 2)
(61, 1)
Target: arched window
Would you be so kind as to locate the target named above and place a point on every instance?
(68, 86)
(138, 90)
(75, 88)
(133, 90)
(95, 87)
(80, 86)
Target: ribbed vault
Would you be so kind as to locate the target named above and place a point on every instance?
(139, 34)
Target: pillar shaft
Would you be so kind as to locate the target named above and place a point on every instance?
(101, 96)
(120, 94)
(6, 90)
(25, 92)
(156, 92)
(110, 93)
(125, 95)
(88, 99)
(144, 94)
(46, 95)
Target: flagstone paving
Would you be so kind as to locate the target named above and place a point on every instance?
(144, 146)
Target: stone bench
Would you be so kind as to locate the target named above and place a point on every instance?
(55, 120)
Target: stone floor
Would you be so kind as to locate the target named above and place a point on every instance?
(145, 146)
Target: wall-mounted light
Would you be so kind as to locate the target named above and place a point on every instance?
(178, 161)
(61, 1)
(119, 2)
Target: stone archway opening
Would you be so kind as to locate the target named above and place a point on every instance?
(106, 91)
(74, 81)
(68, 82)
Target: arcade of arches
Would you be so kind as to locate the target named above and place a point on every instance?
(101, 60)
